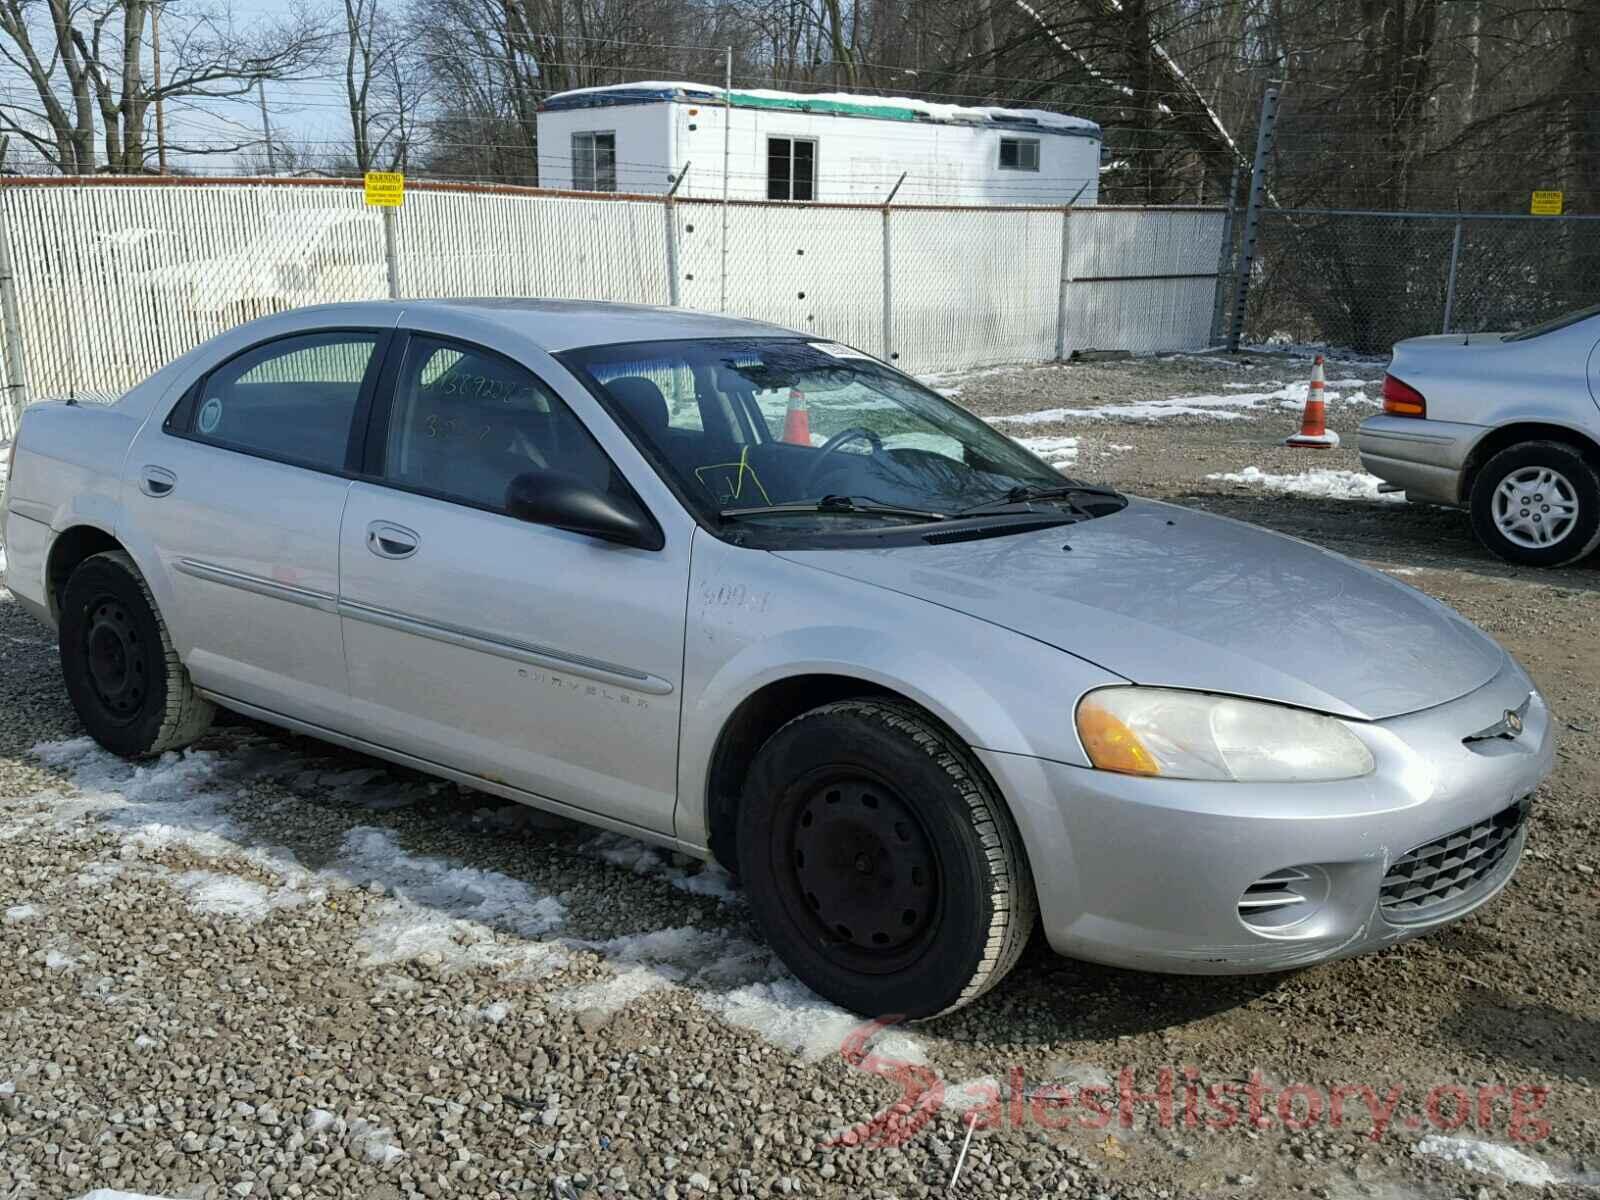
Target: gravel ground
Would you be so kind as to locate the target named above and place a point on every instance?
(273, 968)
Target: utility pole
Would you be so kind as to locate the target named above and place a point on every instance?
(161, 112)
(266, 126)
(1252, 214)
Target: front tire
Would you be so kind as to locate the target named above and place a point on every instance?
(1537, 504)
(880, 863)
(129, 688)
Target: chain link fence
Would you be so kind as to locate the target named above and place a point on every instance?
(1365, 280)
(116, 278)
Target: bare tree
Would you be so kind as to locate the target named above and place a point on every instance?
(84, 61)
(382, 86)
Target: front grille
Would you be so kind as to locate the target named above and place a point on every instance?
(1449, 873)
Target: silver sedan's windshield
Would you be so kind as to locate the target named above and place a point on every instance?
(769, 428)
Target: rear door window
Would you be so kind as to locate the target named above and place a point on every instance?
(292, 399)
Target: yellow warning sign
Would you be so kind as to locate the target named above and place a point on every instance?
(1546, 204)
(387, 189)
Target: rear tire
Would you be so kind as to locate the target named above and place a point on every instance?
(123, 675)
(1537, 504)
(880, 863)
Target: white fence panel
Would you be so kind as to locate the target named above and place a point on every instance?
(116, 279)
(464, 244)
(1143, 279)
(800, 266)
(973, 286)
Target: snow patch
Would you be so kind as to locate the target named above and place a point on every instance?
(614, 992)
(491, 1014)
(788, 1014)
(1226, 406)
(1324, 482)
(1057, 451)
(21, 912)
(652, 863)
(218, 894)
(1487, 1158)
(452, 916)
(961, 1098)
(371, 1141)
(318, 1120)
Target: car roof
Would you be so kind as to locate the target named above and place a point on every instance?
(565, 324)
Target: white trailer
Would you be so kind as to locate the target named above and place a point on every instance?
(828, 147)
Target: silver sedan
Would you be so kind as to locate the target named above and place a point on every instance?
(759, 597)
(1507, 425)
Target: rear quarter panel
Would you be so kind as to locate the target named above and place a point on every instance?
(1544, 379)
(68, 472)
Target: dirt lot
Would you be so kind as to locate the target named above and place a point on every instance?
(271, 968)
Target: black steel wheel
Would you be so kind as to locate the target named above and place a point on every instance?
(880, 863)
(118, 659)
(862, 871)
(125, 679)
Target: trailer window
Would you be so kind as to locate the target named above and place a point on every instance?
(791, 169)
(1019, 154)
(594, 162)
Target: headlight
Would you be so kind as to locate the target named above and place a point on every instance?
(1190, 735)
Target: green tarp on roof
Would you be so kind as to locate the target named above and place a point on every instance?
(806, 104)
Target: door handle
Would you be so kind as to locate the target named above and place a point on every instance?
(388, 540)
(156, 481)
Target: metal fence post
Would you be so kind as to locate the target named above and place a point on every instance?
(669, 208)
(16, 364)
(1065, 281)
(727, 134)
(1219, 303)
(1252, 215)
(888, 274)
(391, 254)
(1450, 285)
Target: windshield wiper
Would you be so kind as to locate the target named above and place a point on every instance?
(1023, 493)
(847, 505)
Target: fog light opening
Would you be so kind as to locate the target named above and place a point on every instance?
(1282, 899)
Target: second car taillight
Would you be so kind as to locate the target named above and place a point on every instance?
(1400, 399)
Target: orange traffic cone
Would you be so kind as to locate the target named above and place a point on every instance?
(1314, 432)
(797, 421)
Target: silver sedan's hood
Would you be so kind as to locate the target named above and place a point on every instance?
(1171, 596)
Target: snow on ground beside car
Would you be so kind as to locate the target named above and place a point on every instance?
(698, 879)
(1487, 1158)
(1230, 405)
(1320, 481)
(435, 911)
(1057, 451)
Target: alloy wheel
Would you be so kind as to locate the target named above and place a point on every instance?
(1535, 507)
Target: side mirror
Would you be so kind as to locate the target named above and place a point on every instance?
(565, 502)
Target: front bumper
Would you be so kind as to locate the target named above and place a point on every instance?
(1426, 459)
(1149, 873)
